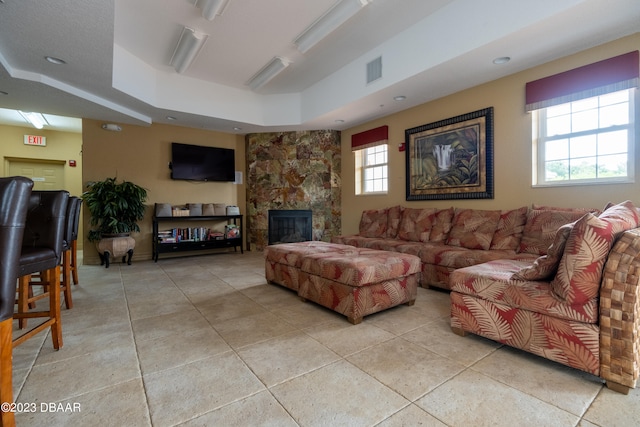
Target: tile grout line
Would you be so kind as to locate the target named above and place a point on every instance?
(135, 346)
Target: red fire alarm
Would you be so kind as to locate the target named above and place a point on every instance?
(72, 163)
(401, 146)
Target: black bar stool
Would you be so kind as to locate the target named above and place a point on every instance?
(14, 200)
(70, 222)
(41, 253)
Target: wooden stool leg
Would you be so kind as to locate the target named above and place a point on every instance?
(66, 279)
(74, 261)
(23, 298)
(54, 308)
(6, 370)
(31, 304)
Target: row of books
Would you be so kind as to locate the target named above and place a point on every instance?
(195, 234)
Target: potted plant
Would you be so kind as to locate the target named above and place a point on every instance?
(115, 209)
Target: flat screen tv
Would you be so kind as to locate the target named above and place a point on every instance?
(200, 163)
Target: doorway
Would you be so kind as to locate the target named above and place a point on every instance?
(46, 174)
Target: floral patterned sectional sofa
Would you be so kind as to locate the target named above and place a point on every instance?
(559, 283)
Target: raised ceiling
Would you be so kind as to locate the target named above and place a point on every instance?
(118, 52)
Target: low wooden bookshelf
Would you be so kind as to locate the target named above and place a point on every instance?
(190, 238)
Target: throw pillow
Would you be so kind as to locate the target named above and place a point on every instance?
(416, 224)
(580, 269)
(546, 266)
(442, 221)
(509, 230)
(541, 227)
(394, 216)
(373, 223)
(624, 216)
(473, 228)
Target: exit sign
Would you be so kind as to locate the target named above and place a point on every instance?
(35, 140)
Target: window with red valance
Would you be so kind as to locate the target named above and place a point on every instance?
(370, 138)
(371, 160)
(584, 123)
(610, 75)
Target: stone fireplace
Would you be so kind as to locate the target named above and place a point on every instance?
(289, 226)
(293, 171)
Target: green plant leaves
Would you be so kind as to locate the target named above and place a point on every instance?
(115, 207)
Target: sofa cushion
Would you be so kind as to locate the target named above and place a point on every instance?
(510, 228)
(457, 257)
(416, 224)
(373, 223)
(541, 227)
(441, 226)
(392, 245)
(580, 270)
(473, 228)
(624, 216)
(493, 281)
(394, 216)
(546, 266)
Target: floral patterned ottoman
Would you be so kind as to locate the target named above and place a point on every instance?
(352, 281)
(360, 284)
(283, 261)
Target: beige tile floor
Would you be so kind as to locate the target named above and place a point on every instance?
(205, 341)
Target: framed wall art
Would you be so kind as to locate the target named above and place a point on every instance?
(452, 158)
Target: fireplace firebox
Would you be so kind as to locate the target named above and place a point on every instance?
(289, 226)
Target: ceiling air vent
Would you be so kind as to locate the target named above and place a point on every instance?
(374, 70)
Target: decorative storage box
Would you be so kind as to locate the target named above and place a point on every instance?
(208, 209)
(195, 209)
(233, 210)
(163, 209)
(180, 212)
(220, 208)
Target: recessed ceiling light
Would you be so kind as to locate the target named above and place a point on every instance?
(237, 128)
(171, 118)
(339, 121)
(55, 60)
(399, 98)
(501, 60)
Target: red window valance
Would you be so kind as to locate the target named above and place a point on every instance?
(370, 138)
(613, 74)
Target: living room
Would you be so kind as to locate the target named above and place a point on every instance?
(152, 297)
(142, 154)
